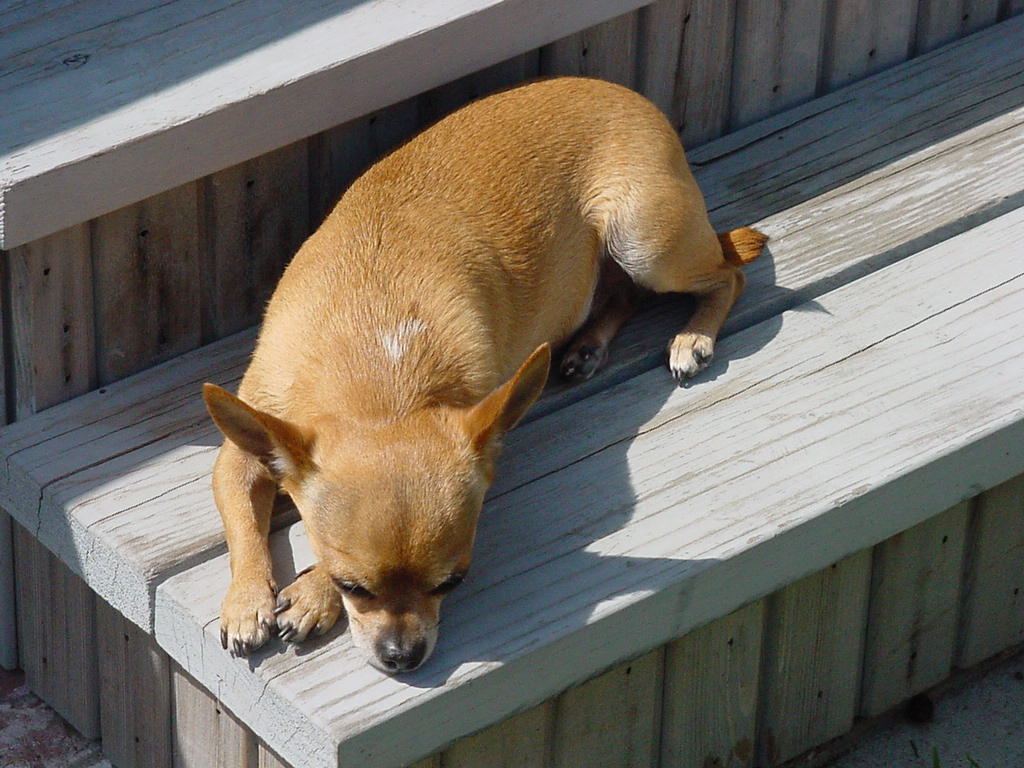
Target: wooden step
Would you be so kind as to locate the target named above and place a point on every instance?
(107, 103)
(643, 512)
(117, 482)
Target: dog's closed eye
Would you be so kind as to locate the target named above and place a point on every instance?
(448, 584)
(354, 589)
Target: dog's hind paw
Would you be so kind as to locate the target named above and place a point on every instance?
(247, 615)
(581, 361)
(309, 604)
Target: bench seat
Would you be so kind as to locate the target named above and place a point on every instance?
(107, 103)
(638, 530)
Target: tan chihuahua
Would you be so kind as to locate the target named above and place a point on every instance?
(390, 362)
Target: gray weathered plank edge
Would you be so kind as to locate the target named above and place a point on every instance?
(335, 70)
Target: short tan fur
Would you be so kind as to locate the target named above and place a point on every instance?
(391, 358)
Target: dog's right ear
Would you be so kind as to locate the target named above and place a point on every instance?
(280, 446)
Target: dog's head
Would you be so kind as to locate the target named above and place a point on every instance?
(391, 509)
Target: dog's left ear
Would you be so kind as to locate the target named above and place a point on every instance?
(501, 410)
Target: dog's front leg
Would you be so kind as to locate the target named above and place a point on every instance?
(244, 492)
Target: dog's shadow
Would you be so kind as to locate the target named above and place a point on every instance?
(547, 560)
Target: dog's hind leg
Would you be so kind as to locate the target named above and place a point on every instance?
(615, 300)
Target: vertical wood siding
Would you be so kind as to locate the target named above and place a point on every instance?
(135, 693)
(146, 283)
(915, 591)
(993, 611)
(712, 677)
(812, 659)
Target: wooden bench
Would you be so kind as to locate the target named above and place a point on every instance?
(890, 204)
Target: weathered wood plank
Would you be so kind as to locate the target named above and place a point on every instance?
(206, 734)
(52, 326)
(338, 156)
(51, 348)
(612, 721)
(147, 278)
(654, 534)
(777, 56)
(606, 51)
(521, 741)
(915, 594)
(978, 14)
(864, 37)
(252, 219)
(813, 641)
(106, 113)
(660, 29)
(700, 109)
(993, 609)
(941, 21)
(712, 679)
(8, 604)
(938, 22)
(440, 101)
(57, 637)
(8, 607)
(135, 699)
(267, 759)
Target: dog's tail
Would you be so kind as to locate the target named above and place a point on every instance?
(743, 245)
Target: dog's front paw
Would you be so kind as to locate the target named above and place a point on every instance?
(582, 360)
(247, 615)
(310, 604)
(689, 354)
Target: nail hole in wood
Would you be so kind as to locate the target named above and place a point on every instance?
(75, 60)
(775, 89)
(46, 272)
(67, 378)
(628, 670)
(250, 183)
(820, 694)
(103, 391)
(871, 53)
(585, 50)
(686, 19)
(945, 539)
(66, 327)
(144, 233)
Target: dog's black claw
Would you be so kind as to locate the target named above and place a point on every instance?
(283, 604)
(224, 639)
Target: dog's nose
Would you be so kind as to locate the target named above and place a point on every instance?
(397, 656)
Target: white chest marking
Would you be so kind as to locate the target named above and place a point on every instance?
(396, 341)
